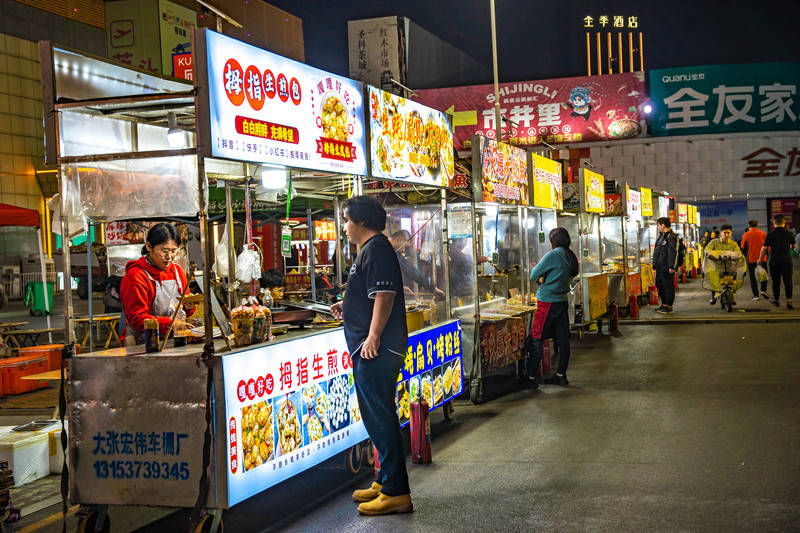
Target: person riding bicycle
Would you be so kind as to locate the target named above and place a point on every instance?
(723, 258)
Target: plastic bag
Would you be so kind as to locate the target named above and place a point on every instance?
(248, 264)
(220, 267)
(761, 274)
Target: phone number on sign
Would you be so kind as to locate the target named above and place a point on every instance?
(122, 469)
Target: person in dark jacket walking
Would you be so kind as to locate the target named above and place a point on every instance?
(553, 273)
(665, 264)
(779, 244)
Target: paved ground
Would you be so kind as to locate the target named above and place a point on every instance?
(664, 428)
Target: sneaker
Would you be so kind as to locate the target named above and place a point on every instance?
(660, 309)
(557, 379)
(713, 301)
(383, 505)
(367, 495)
(789, 304)
(764, 295)
(776, 303)
(668, 311)
(755, 298)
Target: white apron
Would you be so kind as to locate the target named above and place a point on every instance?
(168, 294)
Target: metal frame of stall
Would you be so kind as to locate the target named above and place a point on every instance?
(589, 299)
(620, 283)
(96, 87)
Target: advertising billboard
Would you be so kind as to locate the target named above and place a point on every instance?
(593, 199)
(647, 201)
(633, 203)
(565, 110)
(724, 98)
(500, 172)
(547, 191)
(265, 108)
(409, 141)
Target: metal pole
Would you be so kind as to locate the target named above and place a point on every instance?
(69, 335)
(89, 289)
(312, 266)
(338, 226)
(494, 65)
(44, 285)
(230, 244)
(208, 324)
(526, 257)
(446, 248)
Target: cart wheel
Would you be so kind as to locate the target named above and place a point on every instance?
(355, 459)
(368, 454)
(476, 391)
(205, 525)
(88, 523)
(447, 411)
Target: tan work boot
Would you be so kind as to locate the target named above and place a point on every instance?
(367, 495)
(384, 504)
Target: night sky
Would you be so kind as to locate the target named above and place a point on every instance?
(539, 40)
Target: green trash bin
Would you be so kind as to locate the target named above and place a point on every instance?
(34, 297)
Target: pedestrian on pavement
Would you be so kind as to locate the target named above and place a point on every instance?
(752, 242)
(665, 264)
(779, 243)
(374, 320)
(705, 238)
(553, 273)
(724, 243)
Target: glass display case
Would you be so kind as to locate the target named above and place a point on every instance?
(500, 275)
(589, 296)
(416, 234)
(538, 224)
(613, 258)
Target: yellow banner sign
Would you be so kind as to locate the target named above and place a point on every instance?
(593, 192)
(547, 190)
(647, 202)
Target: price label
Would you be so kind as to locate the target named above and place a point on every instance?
(286, 241)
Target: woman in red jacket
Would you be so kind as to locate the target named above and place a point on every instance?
(153, 285)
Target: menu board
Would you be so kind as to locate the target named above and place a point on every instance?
(409, 141)
(663, 207)
(432, 368)
(613, 204)
(547, 191)
(692, 214)
(289, 406)
(266, 108)
(502, 172)
(633, 203)
(324, 230)
(683, 211)
(647, 202)
(593, 198)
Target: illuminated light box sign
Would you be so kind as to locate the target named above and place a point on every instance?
(663, 207)
(683, 213)
(647, 201)
(409, 141)
(547, 188)
(502, 172)
(433, 367)
(265, 108)
(634, 203)
(288, 407)
(593, 199)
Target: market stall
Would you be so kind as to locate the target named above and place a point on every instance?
(589, 298)
(619, 243)
(648, 233)
(211, 423)
(488, 262)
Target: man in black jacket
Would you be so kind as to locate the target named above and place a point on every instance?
(665, 264)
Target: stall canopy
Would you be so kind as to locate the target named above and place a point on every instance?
(11, 215)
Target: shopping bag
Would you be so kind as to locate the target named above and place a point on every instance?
(221, 255)
(761, 274)
(248, 264)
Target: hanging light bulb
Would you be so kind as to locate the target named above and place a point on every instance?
(174, 135)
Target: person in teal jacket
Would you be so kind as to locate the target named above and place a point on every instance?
(553, 273)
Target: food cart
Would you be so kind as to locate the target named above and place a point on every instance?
(589, 298)
(208, 425)
(411, 164)
(488, 261)
(619, 232)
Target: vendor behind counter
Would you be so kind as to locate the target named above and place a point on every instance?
(153, 285)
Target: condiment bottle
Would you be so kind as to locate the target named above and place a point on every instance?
(151, 335)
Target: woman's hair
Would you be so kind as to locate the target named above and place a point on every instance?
(365, 210)
(159, 234)
(559, 238)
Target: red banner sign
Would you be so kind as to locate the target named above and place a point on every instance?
(267, 130)
(554, 111)
(333, 149)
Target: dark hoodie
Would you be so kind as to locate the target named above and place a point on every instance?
(138, 291)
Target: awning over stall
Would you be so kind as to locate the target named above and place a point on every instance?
(11, 215)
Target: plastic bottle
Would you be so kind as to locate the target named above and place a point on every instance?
(180, 331)
(151, 339)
